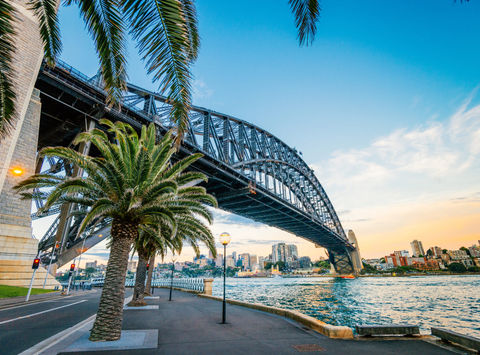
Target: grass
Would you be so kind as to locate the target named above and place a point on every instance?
(14, 291)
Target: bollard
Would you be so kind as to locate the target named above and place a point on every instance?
(207, 286)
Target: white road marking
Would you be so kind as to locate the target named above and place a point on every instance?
(36, 314)
(34, 303)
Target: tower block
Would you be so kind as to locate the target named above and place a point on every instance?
(18, 156)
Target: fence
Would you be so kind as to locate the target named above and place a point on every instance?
(188, 284)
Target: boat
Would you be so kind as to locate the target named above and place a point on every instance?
(347, 276)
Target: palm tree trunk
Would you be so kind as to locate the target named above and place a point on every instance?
(148, 287)
(108, 324)
(140, 281)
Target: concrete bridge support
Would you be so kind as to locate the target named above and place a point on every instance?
(18, 150)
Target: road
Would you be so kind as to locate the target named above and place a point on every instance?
(21, 327)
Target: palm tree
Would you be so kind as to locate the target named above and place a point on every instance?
(133, 183)
(188, 228)
(166, 33)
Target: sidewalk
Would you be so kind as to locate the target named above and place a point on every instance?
(190, 325)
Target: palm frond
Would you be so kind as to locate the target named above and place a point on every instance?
(307, 13)
(104, 22)
(168, 42)
(46, 12)
(7, 48)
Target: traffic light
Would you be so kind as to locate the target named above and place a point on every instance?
(35, 264)
(148, 265)
(72, 267)
(57, 245)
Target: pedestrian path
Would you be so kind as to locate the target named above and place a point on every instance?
(191, 325)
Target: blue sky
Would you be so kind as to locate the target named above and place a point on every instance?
(379, 74)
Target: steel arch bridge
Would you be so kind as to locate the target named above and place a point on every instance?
(251, 172)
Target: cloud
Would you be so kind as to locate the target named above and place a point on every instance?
(435, 150)
(401, 186)
(201, 90)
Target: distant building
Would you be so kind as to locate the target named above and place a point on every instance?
(431, 264)
(305, 262)
(474, 251)
(92, 264)
(261, 262)
(436, 252)
(253, 262)
(245, 259)
(278, 252)
(286, 253)
(219, 260)
(230, 261)
(417, 248)
(458, 254)
(234, 256)
(132, 266)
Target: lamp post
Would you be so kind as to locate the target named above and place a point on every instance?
(224, 239)
(171, 277)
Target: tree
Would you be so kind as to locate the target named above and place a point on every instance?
(456, 267)
(474, 269)
(123, 183)
(188, 227)
(166, 33)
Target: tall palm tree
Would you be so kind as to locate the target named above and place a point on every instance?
(167, 39)
(131, 182)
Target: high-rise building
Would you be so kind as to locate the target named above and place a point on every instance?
(219, 260)
(234, 256)
(436, 251)
(261, 262)
(286, 253)
(278, 252)
(417, 248)
(253, 261)
(245, 258)
(230, 261)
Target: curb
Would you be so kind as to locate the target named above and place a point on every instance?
(331, 331)
(55, 339)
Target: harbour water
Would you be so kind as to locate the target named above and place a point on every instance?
(449, 301)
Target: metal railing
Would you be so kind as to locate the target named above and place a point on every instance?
(188, 284)
(196, 284)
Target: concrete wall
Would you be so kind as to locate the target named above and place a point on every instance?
(17, 248)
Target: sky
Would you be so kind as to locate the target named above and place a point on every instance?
(384, 106)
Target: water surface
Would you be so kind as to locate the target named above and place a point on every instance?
(452, 302)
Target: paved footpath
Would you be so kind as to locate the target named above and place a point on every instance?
(24, 325)
(190, 325)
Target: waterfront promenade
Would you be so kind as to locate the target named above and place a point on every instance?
(190, 325)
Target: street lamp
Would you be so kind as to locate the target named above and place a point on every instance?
(224, 239)
(171, 277)
(17, 171)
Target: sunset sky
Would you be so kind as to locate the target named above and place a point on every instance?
(384, 107)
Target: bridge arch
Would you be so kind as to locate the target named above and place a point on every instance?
(251, 172)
